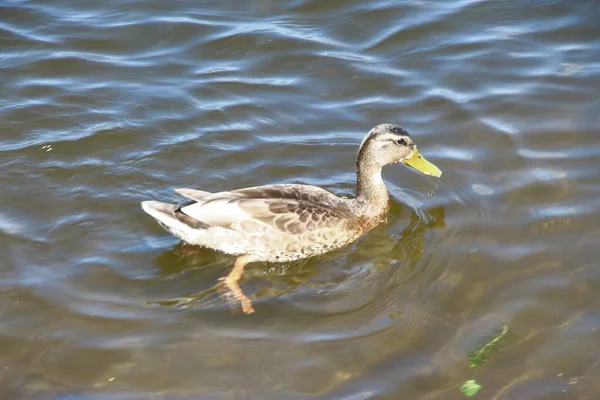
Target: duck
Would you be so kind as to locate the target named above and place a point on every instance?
(280, 223)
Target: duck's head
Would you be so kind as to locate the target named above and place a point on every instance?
(388, 144)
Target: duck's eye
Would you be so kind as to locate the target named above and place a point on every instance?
(401, 142)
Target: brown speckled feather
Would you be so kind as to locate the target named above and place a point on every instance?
(277, 222)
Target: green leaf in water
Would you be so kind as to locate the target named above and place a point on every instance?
(470, 388)
(482, 354)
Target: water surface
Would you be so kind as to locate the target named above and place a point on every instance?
(106, 104)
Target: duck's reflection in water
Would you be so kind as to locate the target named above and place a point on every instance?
(394, 255)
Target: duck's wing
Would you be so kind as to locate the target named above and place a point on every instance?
(309, 193)
(313, 194)
(291, 209)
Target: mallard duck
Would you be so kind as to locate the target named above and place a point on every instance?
(286, 222)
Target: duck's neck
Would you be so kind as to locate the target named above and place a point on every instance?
(371, 193)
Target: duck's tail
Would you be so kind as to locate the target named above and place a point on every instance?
(164, 214)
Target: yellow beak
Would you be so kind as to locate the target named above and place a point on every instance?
(418, 162)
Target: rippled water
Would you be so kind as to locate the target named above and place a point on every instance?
(105, 104)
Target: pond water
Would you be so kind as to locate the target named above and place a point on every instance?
(495, 264)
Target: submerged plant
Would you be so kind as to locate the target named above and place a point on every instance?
(484, 352)
(481, 355)
(470, 388)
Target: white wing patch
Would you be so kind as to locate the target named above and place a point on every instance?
(217, 213)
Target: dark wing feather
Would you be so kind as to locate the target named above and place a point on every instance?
(312, 194)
